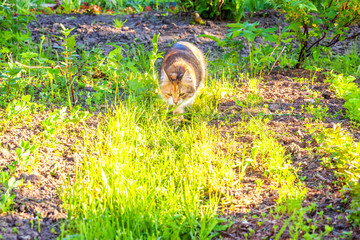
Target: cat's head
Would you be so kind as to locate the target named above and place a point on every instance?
(177, 86)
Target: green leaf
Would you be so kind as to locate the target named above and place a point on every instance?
(312, 7)
(155, 38)
(115, 54)
(29, 55)
(216, 39)
(26, 98)
(269, 30)
(14, 71)
(5, 50)
(18, 152)
(234, 25)
(131, 66)
(250, 36)
(316, 54)
(271, 38)
(287, 40)
(71, 42)
(235, 34)
(13, 183)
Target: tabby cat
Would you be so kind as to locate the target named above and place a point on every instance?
(182, 74)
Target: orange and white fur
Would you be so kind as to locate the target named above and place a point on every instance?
(182, 74)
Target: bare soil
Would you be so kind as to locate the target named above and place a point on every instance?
(38, 211)
(39, 202)
(99, 30)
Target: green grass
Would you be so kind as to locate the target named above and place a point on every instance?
(341, 152)
(345, 87)
(348, 63)
(270, 156)
(145, 176)
(24, 6)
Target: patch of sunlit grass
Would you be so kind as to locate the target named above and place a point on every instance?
(146, 176)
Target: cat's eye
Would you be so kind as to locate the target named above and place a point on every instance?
(168, 95)
(182, 94)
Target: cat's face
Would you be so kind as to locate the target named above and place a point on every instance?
(177, 89)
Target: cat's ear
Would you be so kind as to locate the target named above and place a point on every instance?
(167, 75)
(186, 77)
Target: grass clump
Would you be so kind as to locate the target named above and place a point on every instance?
(144, 176)
(342, 154)
(271, 157)
(346, 88)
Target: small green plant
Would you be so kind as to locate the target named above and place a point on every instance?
(50, 123)
(234, 46)
(69, 5)
(253, 97)
(318, 112)
(347, 64)
(154, 55)
(53, 231)
(68, 46)
(12, 167)
(19, 108)
(216, 9)
(24, 152)
(12, 75)
(259, 57)
(8, 184)
(259, 183)
(38, 216)
(119, 23)
(76, 115)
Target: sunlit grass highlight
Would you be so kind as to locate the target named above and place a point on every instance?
(144, 176)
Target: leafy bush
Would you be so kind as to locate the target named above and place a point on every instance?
(318, 25)
(346, 88)
(256, 5)
(343, 155)
(216, 9)
(261, 57)
(11, 27)
(352, 105)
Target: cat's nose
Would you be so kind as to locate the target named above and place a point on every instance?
(176, 100)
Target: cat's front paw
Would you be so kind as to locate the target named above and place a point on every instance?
(178, 113)
(178, 120)
(178, 116)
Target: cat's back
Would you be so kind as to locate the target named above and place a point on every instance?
(187, 47)
(185, 53)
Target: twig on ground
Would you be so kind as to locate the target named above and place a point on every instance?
(276, 60)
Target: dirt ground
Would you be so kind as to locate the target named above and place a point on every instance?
(99, 30)
(281, 91)
(38, 207)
